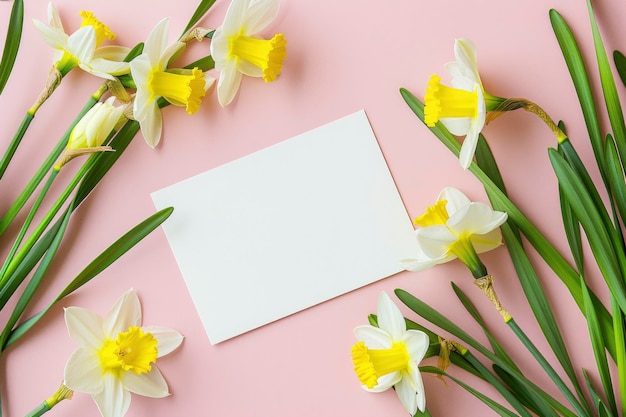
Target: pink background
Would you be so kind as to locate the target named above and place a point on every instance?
(342, 56)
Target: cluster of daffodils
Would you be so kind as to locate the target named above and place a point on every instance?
(236, 47)
(388, 355)
(117, 355)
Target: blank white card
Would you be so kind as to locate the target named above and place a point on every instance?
(287, 227)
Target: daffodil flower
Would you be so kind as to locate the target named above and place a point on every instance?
(82, 48)
(461, 108)
(154, 80)
(92, 130)
(238, 50)
(454, 227)
(389, 355)
(116, 355)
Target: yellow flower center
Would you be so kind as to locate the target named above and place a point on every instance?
(442, 101)
(371, 364)
(265, 54)
(179, 89)
(133, 350)
(435, 214)
(102, 31)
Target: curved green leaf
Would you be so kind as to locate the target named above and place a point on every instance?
(12, 43)
(201, 10)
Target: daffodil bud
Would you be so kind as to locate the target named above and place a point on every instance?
(96, 125)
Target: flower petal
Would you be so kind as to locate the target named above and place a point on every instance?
(373, 337)
(458, 126)
(151, 384)
(434, 240)
(259, 15)
(51, 36)
(125, 313)
(82, 44)
(455, 199)
(476, 218)
(228, 84)
(110, 67)
(385, 382)
(235, 16)
(157, 41)
(390, 318)
(407, 395)
(465, 54)
(114, 399)
(416, 265)
(84, 327)
(112, 52)
(53, 17)
(83, 372)
(168, 339)
(249, 69)
(151, 124)
(417, 343)
(487, 242)
(219, 49)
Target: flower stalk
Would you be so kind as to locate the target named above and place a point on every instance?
(63, 393)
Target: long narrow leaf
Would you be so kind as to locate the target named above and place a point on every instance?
(201, 10)
(12, 42)
(106, 258)
(620, 65)
(615, 175)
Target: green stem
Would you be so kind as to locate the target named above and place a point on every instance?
(45, 222)
(15, 142)
(27, 222)
(27, 192)
(42, 409)
(580, 409)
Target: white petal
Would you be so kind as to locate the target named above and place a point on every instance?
(82, 44)
(459, 77)
(373, 337)
(168, 339)
(219, 48)
(417, 343)
(235, 16)
(416, 265)
(140, 69)
(228, 84)
(93, 71)
(390, 318)
(112, 52)
(487, 242)
(151, 384)
(125, 313)
(476, 218)
(84, 327)
(157, 41)
(53, 17)
(110, 67)
(83, 372)
(259, 15)
(152, 125)
(434, 240)
(455, 199)
(249, 69)
(53, 37)
(465, 54)
(385, 382)
(170, 53)
(458, 126)
(114, 399)
(407, 395)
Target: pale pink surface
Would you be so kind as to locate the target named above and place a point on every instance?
(342, 56)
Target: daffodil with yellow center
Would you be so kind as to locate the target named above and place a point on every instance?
(238, 50)
(153, 78)
(83, 47)
(463, 107)
(454, 227)
(116, 355)
(389, 356)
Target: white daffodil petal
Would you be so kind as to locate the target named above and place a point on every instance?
(373, 337)
(110, 67)
(228, 84)
(235, 16)
(416, 265)
(390, 318)
(465, 54)
(476, 218)
(112, 52)
(168, 339)
(170, 53)
(51, 36)
(418, 385)
(417, 343)
(114, 399)
(157, 41)
(53, 18)
(84, 327)
(455, 199)
(83, 372)
(219, 49)
(487, 242)
(434, 240)
(259, 15)
(407, 395)
(249, 69)
(126, 312)
(385, 382)
(151, 384)
(458, 126)
(82, 44)
(152, 125)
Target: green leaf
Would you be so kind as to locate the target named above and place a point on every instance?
(100, 263)
(12, 43)
(601, 408)
(615, 176)
(620, 65)
(201, 10)
(597, 344)
(599, 238)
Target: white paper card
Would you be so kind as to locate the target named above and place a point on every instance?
(287, 227)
